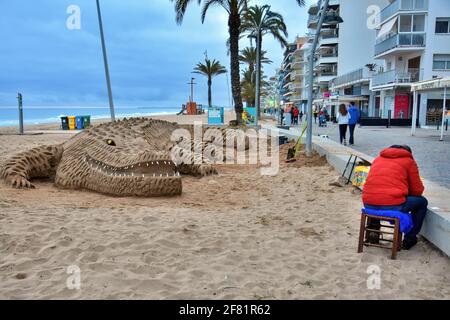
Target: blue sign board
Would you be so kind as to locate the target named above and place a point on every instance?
(216, 115)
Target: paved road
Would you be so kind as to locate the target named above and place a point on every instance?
(432, 156)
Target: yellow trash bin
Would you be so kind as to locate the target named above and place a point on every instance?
(72, 122)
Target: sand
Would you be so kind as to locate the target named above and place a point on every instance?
(237, 235)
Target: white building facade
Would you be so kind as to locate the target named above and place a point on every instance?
(413, 40)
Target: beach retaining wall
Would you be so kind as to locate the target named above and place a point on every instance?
(436, 227)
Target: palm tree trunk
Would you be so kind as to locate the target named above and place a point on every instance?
(258, 77)
(209, 91)
(234, 24)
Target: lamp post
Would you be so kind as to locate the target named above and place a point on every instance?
(192, 83)
(105, 60)
(323, 18)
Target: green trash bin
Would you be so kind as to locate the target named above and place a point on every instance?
(86, 122)
(65, 123)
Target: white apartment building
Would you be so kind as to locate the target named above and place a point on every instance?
(413, 40)
(343, 52)
(357, 35)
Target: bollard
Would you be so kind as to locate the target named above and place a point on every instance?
(19, 98)
(389, 119)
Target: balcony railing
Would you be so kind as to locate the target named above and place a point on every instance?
(330, 34)
(403, 5)
(352, 77)
(395, 77)
(410, 39)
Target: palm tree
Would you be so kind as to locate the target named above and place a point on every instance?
(234, 8)
(258, 21)
(248, 85)
(248, 56)
(210, 69)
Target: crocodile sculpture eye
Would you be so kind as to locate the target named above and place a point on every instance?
(110, 142)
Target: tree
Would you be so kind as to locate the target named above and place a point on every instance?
(210, 69)
(234, 8)
(258, 21)
(248, 85)
(248, 56)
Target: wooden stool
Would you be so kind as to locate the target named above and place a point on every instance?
(397, 236)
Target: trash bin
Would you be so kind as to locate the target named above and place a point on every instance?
(86, 122)
(72, 122)
(79, 122)
(64, 123)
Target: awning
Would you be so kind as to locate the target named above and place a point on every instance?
(349, 98)
(386, 28)
(335, 100)
(431, 84)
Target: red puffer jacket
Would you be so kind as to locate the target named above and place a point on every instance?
(393, 176)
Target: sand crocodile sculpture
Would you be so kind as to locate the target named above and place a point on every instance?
(130, 157)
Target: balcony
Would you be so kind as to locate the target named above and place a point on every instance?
(326, 78)
(296, 86)
(297, 73)
(399, 6)
(329, 37)
(394, 77)
(352, 78)
(326, 58)
(312, 21)
(406, 41)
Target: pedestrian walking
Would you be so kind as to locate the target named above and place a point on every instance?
(343, 118)
(354, 119)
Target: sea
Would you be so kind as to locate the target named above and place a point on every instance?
(9, 116)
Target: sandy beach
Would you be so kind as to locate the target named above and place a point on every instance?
(235, 235)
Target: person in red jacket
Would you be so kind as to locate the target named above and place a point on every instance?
(394, 183)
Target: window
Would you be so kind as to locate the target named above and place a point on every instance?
(442, 25)
(419, 23)
(412, 23)
(441, 62)
(405, 23)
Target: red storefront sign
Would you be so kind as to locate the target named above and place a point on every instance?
(401, 107)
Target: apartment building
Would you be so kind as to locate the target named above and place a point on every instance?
(326, 54)
(356, 62)
(344, 51)
(413, 40)
(291, 74)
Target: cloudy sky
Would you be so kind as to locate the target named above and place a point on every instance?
(151, 57)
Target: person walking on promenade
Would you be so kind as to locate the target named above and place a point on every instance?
(300, 115)
(315, 114)
(394, 183)
(296, 113)
(343, 118)
(354, 119)
(287, 115)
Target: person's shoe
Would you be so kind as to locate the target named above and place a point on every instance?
(345, 142)
(408, 244)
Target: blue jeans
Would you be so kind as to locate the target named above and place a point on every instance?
(417, 206)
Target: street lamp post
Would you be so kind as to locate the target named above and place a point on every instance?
(311, 77)
(105, 60)
(323, 18)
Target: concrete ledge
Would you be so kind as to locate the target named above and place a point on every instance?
(436, 227)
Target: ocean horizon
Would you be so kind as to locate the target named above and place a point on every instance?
(9, 116)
